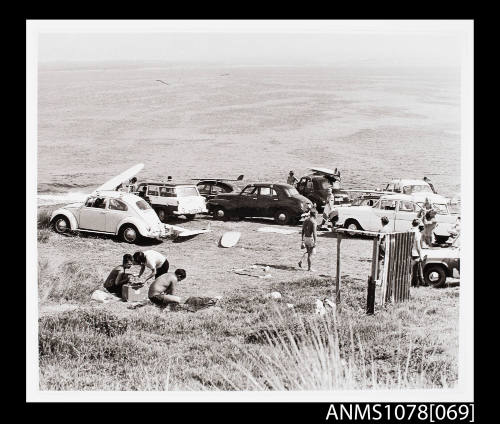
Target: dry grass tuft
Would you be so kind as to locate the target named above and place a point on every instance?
(43, 218)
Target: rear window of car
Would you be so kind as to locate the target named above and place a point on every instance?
(143, 205)
(167, 192)
(186, 191)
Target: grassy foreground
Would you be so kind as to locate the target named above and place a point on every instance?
(247, 342)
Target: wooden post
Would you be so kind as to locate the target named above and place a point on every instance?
(370, 295)
(337, 281)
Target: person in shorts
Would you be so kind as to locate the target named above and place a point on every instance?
(119, 276)
(381, 247)
(155, 261)
(417, 254)
(161, 292)
(309, 234)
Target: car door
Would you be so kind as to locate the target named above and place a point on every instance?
(384, 207)
(93, 214)
(267, 202)
(116, 211)
(247, 201)
(406, 212)
(301, 185)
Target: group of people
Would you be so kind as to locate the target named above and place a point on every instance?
(161, 291)
(423, 229)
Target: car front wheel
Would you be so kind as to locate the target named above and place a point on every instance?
(128, 233)
(282, 217)
(61, 224)
(434, 276)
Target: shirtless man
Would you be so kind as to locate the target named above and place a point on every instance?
(155, 261)
(119, 276)
(309, 238)
(161, 292)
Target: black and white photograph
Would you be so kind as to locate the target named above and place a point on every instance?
(280, 209)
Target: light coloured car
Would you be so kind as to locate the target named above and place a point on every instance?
(407, 186)
(400, 209)
(441, 263)
(169, 199)
(110, 212)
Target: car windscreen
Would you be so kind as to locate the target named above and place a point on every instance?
(409, 189)
(143, 205)
(323, 184)
(186, 191)
(440, 208)
(292, 191)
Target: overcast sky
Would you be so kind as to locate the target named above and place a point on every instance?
(377, 48)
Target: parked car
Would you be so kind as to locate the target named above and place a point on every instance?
(407, 186)
(110, 212)
(211, 188)
(401, 209)
(441, 263)
(171, 199)
(315, 188)
(279, 201)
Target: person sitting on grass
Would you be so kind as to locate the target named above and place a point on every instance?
(119, 276)
(161, 292)
(155, 261)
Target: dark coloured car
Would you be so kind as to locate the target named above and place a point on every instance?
(211, 188)
(279, 201)
(315, 188)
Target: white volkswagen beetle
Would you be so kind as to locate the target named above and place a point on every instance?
(401, 209)
(110, 212)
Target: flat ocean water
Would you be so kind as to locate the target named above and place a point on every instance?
(374, 124)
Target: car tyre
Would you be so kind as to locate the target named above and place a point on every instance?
(434, 276)
(352, 224)
(129, 234)
(282, 217)
(61, 224)
(220, 213)
(162, 214)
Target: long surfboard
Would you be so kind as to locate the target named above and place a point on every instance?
(116, 181)
(324, 171)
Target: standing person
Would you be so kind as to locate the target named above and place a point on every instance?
(155, 261)
(309, 234)
(292, 180)
(132, 185)
(119, 276)
(381, 247)
(430, 223)
(416, 254)
(329, 207)
(428, 181)
(455, 230)
(161, 292)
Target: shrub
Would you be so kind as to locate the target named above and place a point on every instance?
(44, 219)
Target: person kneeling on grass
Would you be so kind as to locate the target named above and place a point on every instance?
(153, 260)
(161, 292)
(119, 276)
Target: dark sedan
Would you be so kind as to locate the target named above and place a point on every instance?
(279, 201)
(211, 188)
